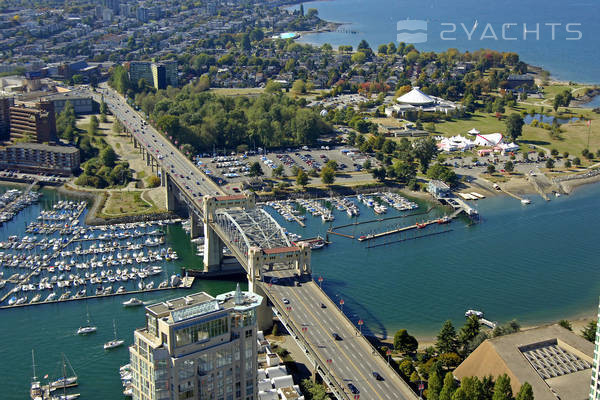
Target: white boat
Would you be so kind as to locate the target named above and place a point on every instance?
(66, 396)
(478, 314)
(84, 330)
(525, 201)
(65, 381)
(115, 342)
(35, 391)
(133, 302)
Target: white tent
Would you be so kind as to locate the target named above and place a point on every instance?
(474, 132)
(416, 98)
(493, 139)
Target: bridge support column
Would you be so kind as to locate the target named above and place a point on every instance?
(264, 313)
(147, 159)
(213, 249)
(163, 177)
(170, 194)
(195, 225)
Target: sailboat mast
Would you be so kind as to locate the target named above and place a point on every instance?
(33, 364)
(64, 377)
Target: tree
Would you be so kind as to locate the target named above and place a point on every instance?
(514, 126)
(302, 178)
(506, 329)
(313, 391)
(526, 392)
(470, 329)
(589, 331)
(405, 171)
(460, 394)
(332, 164)
(153, 181)
(424, 150)
(299, 87)
(359, 57)
(434, 385)
(119, 79)
(491, 169)
(550, 163)
(312, 13)
(93, 125)
(509, 166)
(473, 388)
(443, 173)
(273, 87)
(568, 164)
(449, 387)
(565, 324)
(328, 176)
(363, 45)
(406, 367)
(66, 122)
(446, 339)
(108, 157)
(379, 174)
(577, 161)
(117, 126)
(255, 169)
(404, 342)
(502, 388)
(278, 172)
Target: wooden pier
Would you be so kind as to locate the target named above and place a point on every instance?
(333, 229)
(418, 225)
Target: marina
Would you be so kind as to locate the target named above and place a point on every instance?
(60, 260)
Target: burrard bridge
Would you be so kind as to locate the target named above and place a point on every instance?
(276, 269)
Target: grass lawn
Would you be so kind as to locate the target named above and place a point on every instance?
(124, 203)
(486, 123)
(573, 140)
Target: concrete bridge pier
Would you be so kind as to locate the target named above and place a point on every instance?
(163, 177)
(170, 192)
(213, 249)
(196, 226)
(264, 313)
(148, 159)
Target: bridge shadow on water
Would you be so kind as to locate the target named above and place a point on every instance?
(354, 310)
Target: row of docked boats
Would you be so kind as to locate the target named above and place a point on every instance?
(78, 285)
(13, 201)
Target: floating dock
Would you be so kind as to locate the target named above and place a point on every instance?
(186, 283)
(418, 225)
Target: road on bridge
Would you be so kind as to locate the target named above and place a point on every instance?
(187, 176)
(353, 359)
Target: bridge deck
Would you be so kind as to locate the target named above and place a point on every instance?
(353, 359)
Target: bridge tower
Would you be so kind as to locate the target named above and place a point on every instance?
(261, 260)
(213, 245)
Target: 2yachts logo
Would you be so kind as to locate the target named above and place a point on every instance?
(416, 31)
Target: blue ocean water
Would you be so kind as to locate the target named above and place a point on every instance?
(376, 21)
(536, 263)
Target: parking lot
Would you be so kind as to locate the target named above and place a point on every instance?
(235, 168)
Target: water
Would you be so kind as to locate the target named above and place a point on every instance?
(548, 119)
(50, 329)
(535, 263)
(595, 102)
(375, 21)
